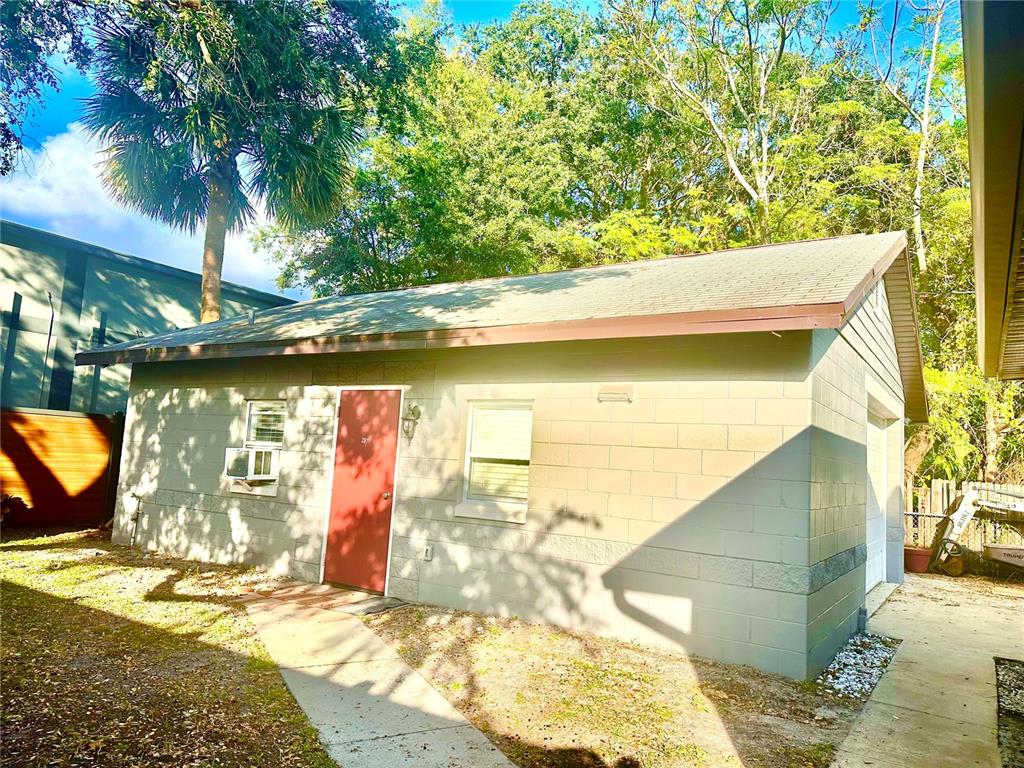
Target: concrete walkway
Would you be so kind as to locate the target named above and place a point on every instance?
(370, 707)
(936, 704)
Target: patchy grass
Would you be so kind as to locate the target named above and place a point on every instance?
(553, 699)
(811, 756)
(113, 657)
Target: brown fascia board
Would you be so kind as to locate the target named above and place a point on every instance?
(894, 268)
(899, 287)
(785, 318)
(899, 248)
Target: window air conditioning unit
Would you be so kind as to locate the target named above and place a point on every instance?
(252, 464)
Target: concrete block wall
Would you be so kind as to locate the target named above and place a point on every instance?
(851, 367)
(180, 419)
(666, 520)
(682, 518)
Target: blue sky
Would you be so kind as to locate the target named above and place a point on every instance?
(58, 186)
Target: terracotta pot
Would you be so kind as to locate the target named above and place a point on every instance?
(915, 559)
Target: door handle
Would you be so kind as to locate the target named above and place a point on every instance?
(387, 494)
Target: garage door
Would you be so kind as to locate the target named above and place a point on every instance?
(875, 570)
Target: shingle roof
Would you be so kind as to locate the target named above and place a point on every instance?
(794, 285)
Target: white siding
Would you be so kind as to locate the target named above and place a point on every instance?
(869, 333)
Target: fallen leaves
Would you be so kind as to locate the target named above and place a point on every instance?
(115, 658)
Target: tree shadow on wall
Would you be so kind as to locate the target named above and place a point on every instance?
(46, 464)
(728, 576)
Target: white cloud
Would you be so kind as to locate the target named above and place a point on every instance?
(58, 188)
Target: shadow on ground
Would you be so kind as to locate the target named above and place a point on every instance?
(114, 657)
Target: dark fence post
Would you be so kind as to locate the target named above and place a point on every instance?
(10, 349)
(113, 464)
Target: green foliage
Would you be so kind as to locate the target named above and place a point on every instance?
(188, 95)
(552, 141)
(957, 399)
(975, 426)
(38, 35)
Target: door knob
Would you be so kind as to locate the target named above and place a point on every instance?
(387, 494)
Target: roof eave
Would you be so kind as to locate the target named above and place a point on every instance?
(789, 318)
(893, 266)
(899, 290)
(994, 73)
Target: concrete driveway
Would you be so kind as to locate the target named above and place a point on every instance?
(936, 704)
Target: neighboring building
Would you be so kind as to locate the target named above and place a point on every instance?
(703, 452)
(994, 76)
(97, 296)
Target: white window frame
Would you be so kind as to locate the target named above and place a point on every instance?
(506, 510)
(266, 444)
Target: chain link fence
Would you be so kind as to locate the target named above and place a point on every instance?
(930, 504)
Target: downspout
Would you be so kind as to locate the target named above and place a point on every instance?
(135, 516)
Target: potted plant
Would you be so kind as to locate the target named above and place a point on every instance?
(916, 559)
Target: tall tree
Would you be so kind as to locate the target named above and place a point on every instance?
(915, 72)
(749, 71)
(530, 147)
(209, 109)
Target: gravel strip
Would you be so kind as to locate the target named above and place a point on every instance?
(1010, 688)
(858, 666)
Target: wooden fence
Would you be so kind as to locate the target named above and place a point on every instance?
(931, 502)
(62, 464)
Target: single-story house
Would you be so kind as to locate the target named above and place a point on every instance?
(703, 451)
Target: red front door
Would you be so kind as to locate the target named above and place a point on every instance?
(364, 483)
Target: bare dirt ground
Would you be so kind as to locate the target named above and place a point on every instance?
(114, 657)
(553, 699)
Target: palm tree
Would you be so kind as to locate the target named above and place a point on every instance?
(206, 107)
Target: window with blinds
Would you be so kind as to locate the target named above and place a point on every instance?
(499, 451)
(265, 424)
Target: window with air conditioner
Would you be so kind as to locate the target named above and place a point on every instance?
(497, 467)
(259, 457)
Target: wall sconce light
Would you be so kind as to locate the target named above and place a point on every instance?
(411, 418)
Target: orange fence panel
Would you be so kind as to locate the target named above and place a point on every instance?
(58, 463)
